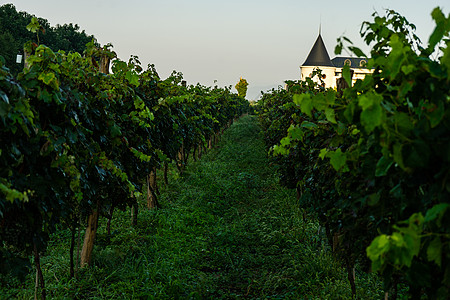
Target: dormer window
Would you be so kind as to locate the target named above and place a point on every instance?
(347, 62)
(362, 63)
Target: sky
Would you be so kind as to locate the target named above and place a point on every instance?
(216, 42)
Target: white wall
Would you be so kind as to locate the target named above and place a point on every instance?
(358, 73)
(330, 78)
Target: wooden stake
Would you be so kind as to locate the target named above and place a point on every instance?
(134, 214)
(89, 238)
(77, 261)
(72, 248)
(39, 275)
(104, 65)
(152, 199)
(166, 167)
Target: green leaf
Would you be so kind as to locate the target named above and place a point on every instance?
(279, 150)
(132, 77)
(405, 88)
(338, 159)
(115, 131)
(119, 66)
(295, 132)
(445, 59)
(329, 113)
(49, 79)
(407, 69)
(4, 109)
(436, 114)
(12, 194)
(368, 100)
(45, 96)
(403, 123)
(330, 97)
(346, 74)
(34, 25)
(319, 102)
(416, 222)
(434, 251)
(406, 248)
(436, 211)
(162, 156)
(4, 97)
(347, 40)
(341, 128)
(442, 25)
(338, 49)
(371, 118)
(383, 165)
(377, 251)
(305, 103)
(350, 111)
(397, 55)
(323, 153)
(285, 141)
(398, 155)
(372, 114)
(309, 125)
(358, 52)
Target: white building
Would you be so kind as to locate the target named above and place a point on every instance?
(331, 68)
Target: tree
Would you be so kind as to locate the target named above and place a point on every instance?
(241, 87)
(14, 34)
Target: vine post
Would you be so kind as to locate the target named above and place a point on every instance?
(89, 238)
(92, 226)
(152, 199)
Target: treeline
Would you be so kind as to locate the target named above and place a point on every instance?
(13, 36)
(372, 161)
(76, 143)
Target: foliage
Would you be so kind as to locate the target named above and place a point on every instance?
(226, 230)
(75, 140)
(378, 155)
(241, 87)
(14, 34)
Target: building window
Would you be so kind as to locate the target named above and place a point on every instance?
(362, 63)
(347, 62)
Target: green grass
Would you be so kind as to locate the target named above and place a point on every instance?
(227, 230)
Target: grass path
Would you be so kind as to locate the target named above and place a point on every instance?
(226, 230)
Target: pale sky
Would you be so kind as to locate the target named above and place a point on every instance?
(263, 41)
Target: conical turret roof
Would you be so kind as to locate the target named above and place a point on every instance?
(318, 56)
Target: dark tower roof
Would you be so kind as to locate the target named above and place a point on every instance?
(318, 56)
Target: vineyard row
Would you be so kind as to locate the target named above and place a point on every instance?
(77, 143)
(372, 161)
